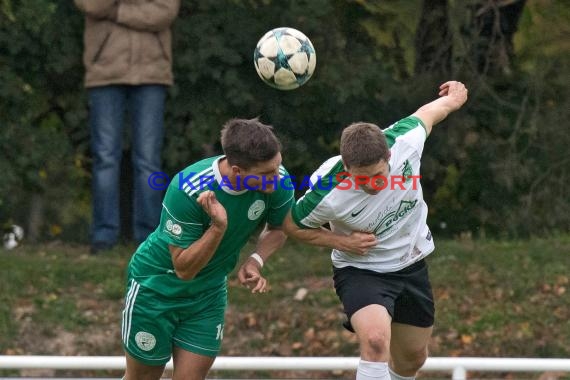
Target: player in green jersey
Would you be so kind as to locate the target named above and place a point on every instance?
(177, 278)
(376, 195)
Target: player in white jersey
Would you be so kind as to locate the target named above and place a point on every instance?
(372, 199)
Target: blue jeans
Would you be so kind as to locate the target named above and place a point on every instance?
(107, 106)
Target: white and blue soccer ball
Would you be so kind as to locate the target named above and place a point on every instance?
(285, 58)
(13, 236)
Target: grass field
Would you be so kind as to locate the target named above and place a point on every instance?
(493, 298)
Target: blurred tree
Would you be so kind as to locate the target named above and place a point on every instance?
(42, 138)
(494, 25)
(434, 43)
(499, 166)
(503, 144)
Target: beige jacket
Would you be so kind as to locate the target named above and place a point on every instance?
(128, 41)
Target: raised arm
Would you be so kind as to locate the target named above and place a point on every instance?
(452, 96)
(188, 262)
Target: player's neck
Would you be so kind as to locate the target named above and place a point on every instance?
(226, 171)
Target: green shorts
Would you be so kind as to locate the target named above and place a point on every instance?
(152, 324)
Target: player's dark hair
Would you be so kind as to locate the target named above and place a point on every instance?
(363, 144)
(248, 142)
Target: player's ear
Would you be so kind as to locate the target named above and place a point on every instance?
(236, 170)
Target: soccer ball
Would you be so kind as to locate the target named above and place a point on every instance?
(284, 58)
(13, 235)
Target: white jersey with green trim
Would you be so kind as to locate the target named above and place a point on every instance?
(397, 215)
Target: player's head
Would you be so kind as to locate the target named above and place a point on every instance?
(253, 150)
(365, 152)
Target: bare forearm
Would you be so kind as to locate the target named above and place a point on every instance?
(270, 240)
(321, 237)
(188, 262)
(315, 236)
(357, 242)
(436, 111)
(452, 94)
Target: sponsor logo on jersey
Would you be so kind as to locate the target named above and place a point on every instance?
(256, 209)
(145, 341)
(354, 214)
(392, 218)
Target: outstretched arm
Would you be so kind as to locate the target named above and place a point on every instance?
(356, 242)
(452, 96)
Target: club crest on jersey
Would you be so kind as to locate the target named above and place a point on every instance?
(256, 209)
(145, 341)
(407, 170)
(173, 227)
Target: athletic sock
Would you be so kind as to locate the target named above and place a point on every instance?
(372, 371)
(395, 376)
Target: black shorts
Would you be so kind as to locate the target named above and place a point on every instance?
(406, 294)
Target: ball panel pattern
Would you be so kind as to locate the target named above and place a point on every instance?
(285, 58)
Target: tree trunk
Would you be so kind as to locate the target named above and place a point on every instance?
(35, 218)
(434, 40)
(495, 23)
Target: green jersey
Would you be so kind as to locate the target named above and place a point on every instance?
(183, 221)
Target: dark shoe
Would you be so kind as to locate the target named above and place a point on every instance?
(99, 247)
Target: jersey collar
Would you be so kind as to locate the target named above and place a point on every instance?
(223, 184)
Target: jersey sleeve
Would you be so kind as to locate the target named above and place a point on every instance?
(410, 131)
(182, 221)
(312, 210)
(281, 200)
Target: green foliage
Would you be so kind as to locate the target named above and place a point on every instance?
(497, 167)
(214, 67)
(42, 138)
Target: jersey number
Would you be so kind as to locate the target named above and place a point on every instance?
(220, 333)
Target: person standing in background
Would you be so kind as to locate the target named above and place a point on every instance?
(128, 65)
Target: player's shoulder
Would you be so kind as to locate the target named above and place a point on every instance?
(196, 171)
(324, 181)
(204, 165)
(328, 175)
(331, 167)
(283, 171)
(285, 187)
(407, 126)
(194, 179)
